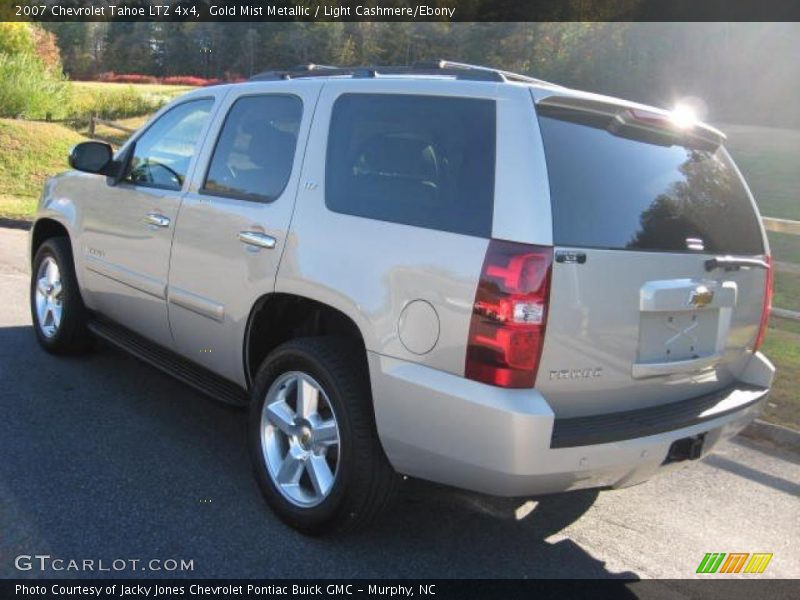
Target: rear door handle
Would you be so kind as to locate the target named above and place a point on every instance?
(258, 239)
(731, 263)
(156, 219)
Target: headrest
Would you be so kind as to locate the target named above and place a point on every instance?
(395, 154)
(269, 145)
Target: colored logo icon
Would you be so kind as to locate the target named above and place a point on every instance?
(734, 562)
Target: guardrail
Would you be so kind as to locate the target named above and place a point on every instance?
(782, 225)
(94, 121)
(792, 228)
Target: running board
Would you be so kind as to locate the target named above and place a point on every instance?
(194, 375)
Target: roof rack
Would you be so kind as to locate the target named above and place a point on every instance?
(496, 74)
(443, 68)
(308, 70)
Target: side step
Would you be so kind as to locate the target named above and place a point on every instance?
(171, 363)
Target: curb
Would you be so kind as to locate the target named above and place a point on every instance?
(15, 223)
(777, 434)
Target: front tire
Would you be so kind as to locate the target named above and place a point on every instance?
(57, 310)
(313, 443)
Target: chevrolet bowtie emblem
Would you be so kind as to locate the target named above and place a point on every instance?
(701, 296)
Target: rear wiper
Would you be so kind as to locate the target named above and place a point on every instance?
(730, 263)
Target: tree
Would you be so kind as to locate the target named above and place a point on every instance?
(31, 82)
(16, 38)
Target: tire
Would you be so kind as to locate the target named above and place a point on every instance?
(363, 481)
(58, 295)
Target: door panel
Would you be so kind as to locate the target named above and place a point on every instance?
(126, 259)
(233, 222)
(128, 227)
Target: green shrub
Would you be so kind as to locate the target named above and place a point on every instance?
(29, 89)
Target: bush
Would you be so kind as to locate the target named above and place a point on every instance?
(29, 89)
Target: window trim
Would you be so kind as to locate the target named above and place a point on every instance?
(143, 132)
(257, 198)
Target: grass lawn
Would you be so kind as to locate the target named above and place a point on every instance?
(119, 100)
(30, 151)
(29, 154)
(783, 348)
(787, 291)
(17, 207)
(95, 95)
(92, 87)
(769, 160)
(784, 247)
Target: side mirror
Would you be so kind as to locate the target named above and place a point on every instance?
(91, 157)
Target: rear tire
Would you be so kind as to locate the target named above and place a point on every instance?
(57, 311)
(321, 469)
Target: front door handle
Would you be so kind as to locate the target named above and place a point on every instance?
(156, 219)
(258, 239)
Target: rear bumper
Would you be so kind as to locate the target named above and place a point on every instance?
(447, 429)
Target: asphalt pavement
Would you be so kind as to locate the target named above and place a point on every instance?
(104, 458)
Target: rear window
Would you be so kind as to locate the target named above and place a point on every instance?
(426, 161)
(622, 193)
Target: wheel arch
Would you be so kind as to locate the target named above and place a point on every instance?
(43, 229)
(279, 317)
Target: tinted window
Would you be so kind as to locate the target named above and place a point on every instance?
(616, 192)
(163, 152)
(420, 160)
(255, 150)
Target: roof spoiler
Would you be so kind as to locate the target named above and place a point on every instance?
(621, 115)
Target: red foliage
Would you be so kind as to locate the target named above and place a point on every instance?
(189, 80)
(46, 48)
(184, 80)
(112, 77)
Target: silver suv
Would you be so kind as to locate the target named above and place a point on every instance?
(447, 272)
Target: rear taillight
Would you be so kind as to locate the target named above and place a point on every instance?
(766, 307)
(509, 315)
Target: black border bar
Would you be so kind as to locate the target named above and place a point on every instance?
(711, 588)
(401, 10)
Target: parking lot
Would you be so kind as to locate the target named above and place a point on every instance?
(104, 458)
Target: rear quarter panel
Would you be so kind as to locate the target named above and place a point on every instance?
(370, 269)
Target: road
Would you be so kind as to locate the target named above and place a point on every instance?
(102, 457)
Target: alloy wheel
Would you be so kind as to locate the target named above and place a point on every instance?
(300, 439)
(48, 297)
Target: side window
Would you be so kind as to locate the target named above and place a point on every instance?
(162, 154)
(255, 150)
(427, 161)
